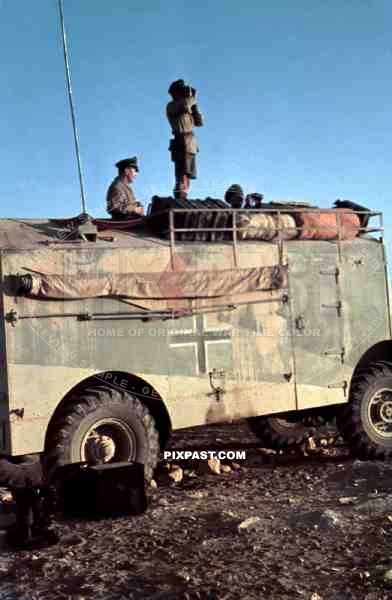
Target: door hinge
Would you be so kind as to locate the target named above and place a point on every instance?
(335, 273)
(338, 306)
(336, 352)
(340, 384)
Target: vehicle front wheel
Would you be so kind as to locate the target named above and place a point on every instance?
(365, 422)
(101, 425)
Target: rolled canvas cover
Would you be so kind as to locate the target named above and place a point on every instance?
(256, 226)
(144, 286)
(266, 226)
(325, 225)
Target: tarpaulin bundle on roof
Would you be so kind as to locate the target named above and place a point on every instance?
(303, 225)
(276, 221)
(323, 225)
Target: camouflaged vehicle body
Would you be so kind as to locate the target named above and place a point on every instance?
(295, 348)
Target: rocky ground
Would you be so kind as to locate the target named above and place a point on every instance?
(315, 525)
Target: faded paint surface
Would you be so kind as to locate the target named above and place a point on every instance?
(264, 357)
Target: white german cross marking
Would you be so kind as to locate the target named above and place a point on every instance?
(201, 337)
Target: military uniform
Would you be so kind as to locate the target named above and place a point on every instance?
(183, 115)
(120, 199)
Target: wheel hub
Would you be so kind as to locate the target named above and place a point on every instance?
(380, 412)
(100, 448)
(108, 440)
(386, 412)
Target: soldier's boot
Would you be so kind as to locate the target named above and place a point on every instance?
(181, 187)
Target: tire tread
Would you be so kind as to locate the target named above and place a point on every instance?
(68, 418)
(349, 419)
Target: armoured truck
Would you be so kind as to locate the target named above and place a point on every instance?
(113, 334)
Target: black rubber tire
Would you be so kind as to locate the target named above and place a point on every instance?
(278, 433)
(353, 419)
(78, 416)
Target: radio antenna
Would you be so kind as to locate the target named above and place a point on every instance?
(71, 105)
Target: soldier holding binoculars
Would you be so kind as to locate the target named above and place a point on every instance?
(183, 114)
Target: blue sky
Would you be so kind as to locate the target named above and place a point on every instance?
(296, 97)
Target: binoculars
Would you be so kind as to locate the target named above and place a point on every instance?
(187, 91)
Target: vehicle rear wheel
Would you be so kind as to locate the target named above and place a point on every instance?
(102, 425)
(279, 433)
(365, 422)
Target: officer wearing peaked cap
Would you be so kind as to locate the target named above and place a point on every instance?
(120, 199)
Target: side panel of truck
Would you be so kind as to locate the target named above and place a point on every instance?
(224, 365)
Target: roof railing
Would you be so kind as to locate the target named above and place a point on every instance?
(236, 231)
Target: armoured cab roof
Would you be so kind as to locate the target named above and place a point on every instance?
(205, 224)
(25, 234)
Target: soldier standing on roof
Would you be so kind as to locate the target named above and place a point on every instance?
(120, 199)
(183, 114)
